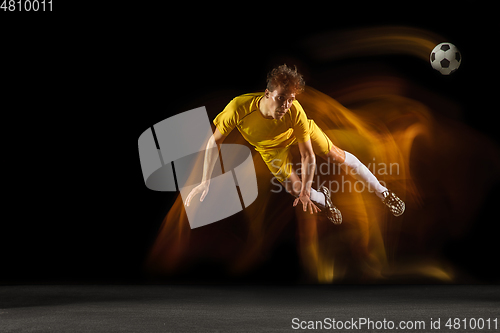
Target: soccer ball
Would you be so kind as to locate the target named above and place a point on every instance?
(445, 58)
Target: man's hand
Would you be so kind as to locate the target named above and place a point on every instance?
(307, 203)
(202, 188)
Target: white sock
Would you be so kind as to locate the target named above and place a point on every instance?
(364, 174)
(318, 197)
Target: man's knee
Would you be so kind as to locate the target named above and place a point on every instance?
(335, 155)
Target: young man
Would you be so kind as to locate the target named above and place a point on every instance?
(274, 121)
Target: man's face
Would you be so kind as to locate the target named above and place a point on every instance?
(280, 101)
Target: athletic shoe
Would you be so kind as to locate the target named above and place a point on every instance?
(331, 212)
(396, 205)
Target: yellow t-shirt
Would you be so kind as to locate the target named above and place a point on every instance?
(264, 134)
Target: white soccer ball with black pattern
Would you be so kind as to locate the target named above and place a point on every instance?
(445, 58)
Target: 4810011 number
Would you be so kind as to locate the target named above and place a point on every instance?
(472, 324)
(26, 5)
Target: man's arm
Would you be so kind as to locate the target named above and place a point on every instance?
(211, 155)
(308, 160)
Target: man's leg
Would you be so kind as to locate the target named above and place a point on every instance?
(358, 169)
(361, 172)
(324, 147)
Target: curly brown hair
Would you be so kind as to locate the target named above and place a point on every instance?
(287, 78)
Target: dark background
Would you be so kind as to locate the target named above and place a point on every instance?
(81, 87)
